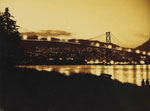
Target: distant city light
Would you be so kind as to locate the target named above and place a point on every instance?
(50, 59)
(97, 61)
(90, 62)
(143, 52)
(92, 43)
(142, 62)
(149, 53)
(143, 57)
(112, 62)
(60, 58)
(137, 51)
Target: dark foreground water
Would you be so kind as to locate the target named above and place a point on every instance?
(124, 73)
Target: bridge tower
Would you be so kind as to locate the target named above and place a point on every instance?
(108, 38)
(108, 53)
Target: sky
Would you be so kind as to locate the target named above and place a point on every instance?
(127, 20)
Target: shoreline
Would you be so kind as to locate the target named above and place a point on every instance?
(28, 90)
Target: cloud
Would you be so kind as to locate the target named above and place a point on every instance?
(28, 33)
(56, 33)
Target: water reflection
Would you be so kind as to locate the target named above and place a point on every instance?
(124, 73)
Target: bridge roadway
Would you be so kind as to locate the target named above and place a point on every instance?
(107, 47)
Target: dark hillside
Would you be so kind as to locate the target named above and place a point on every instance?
(145, 46)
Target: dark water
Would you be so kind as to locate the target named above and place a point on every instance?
(124, 73)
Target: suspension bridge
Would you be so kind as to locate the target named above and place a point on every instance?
(79, 50)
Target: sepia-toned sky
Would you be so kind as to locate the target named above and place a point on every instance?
(127, 20)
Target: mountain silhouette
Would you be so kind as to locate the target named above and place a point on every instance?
(145, 46)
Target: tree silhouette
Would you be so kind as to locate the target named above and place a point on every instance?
(10, 49)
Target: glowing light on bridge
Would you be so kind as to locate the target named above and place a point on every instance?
(149, 53)
(64, 40)
(97, 44)
(39, 37)
(49, 38)
(25, 37)
(69, 58)
(77, 41)
(137, 51)
(109, 46)
(129, 50)
(119, 48)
